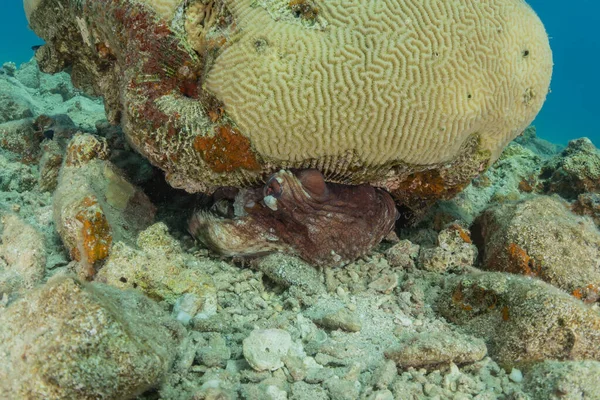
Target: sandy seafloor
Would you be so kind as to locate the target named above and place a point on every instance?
(421, 317)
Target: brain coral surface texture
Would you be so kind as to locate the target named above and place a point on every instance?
(387, 80)
(400, 93)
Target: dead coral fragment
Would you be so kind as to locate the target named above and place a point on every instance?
(96, 235)
(84, 148)
(94, 205)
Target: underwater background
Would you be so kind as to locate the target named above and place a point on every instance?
(110, 285)
(571, 110)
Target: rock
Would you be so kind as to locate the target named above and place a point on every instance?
(185, 307)
(264, 349)
(22, 255)
(503, 181)
(454, 250)
(385, 374)
(574, 171)
(95, 206)
(588, 204)
(430, 350)
(297, 366)
(15, 103)
(522, 320)
(9, 68)
(21, 138)
(402, 255)
(50, 163)
(159, 269)
(288, 270)
(385, 284)
(305, 391)
(269, 389)
(69, 340)
(540, 237)
(516, 375)
(556, 380)
(215, 353)
(16, 177)
(539, 146)
(381, 395)
(343, 319)
(29, 74)
(342, 389)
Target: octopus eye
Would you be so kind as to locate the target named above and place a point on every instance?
(314, 183)
(274, 188)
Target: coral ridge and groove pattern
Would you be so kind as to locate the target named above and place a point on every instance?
(405, 80)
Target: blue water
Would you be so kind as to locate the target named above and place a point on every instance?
(17, 38)
(571, 110)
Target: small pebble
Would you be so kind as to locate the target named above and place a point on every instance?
(264, 348)
(516, 375)
(343, 319)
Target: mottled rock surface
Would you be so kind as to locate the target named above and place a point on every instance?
(541, 237)
(568, 380)
(454, 250)
(161, 270)
(522, 320)
(73, 340)
(588, 204)
(94, 204)
(22, 255)
(574, 171)
(421, 350)
(20, 137)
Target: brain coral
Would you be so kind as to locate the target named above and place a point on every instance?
(414, 95)
(385, 80)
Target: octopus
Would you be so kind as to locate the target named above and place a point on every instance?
(297, 212)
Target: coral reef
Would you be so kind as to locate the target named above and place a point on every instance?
(224, 93)
(164, 318)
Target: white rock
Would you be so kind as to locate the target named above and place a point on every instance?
(264, 348)
(516, 375)
(186, 306)
(382, 395)
(275, 393)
